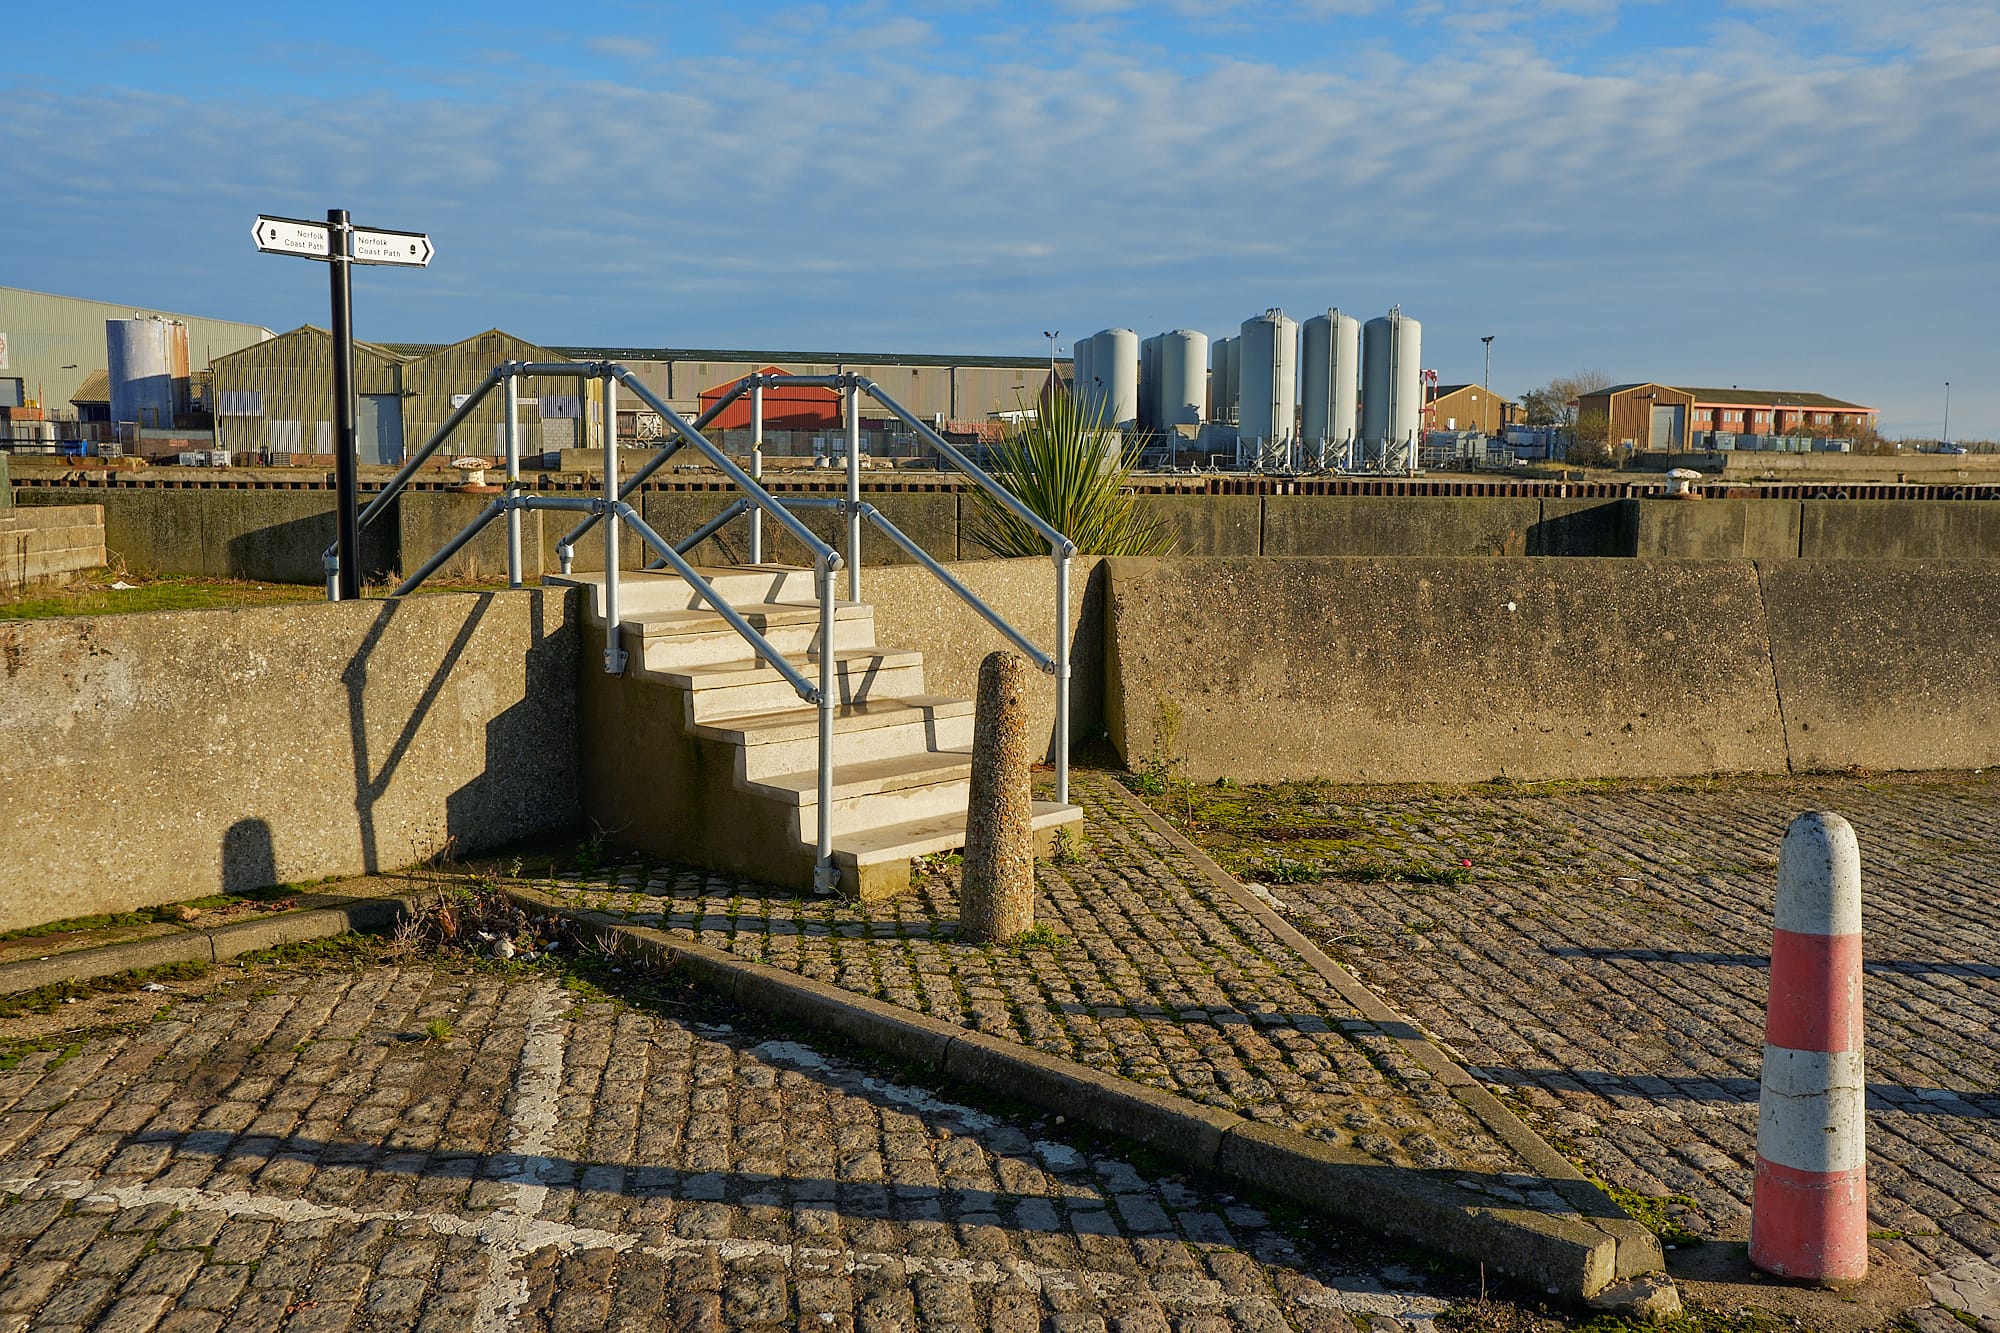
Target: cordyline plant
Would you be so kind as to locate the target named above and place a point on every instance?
(1065, 467)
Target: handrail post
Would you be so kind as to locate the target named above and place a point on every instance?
(853, 492)
(513, 479)
(614, 652)
(826, 876)
(1062, 675)
(757, 467)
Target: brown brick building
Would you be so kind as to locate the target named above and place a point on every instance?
(1671, 418)
(1470, 407)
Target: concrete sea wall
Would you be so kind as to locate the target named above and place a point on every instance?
(1414, 670)
(49, 544)
(278, 535)
(155, 757)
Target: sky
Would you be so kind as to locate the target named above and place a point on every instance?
(1782, 194)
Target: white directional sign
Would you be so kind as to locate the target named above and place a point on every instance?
(291, 236)
(374, 246)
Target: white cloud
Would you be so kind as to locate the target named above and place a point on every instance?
(1674, 215)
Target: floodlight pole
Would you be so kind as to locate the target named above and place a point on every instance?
(1487, 384)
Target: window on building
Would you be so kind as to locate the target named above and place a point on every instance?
(241, 402)
(10, 393)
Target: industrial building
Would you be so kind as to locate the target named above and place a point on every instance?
(1650, 416)
(276, 398)
(50, 346)
(1470, 407)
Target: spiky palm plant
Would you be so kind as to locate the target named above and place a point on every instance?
(1064, 466)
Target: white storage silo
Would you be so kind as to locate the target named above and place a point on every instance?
(1115, 362)
(1267, 406)
(1392, 394)
(146, 361)
(1149, 383)
(1183, 378)
(1233, 390)
(1218, 379)
(1081, 390)
(1329, 376)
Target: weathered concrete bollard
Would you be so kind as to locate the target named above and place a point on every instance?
(1809, 1211)
(997, 901)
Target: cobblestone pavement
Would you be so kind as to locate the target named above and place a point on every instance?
(410, 1147)
(1606, 966)
(1151, 973)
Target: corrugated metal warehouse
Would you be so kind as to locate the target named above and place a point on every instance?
(54, 343)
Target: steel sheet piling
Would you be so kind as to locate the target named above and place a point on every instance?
(1809, 1209)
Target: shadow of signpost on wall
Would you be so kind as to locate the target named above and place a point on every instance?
(370, 783)
(249, 859)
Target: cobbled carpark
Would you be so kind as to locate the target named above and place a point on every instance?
(428, 1144)
(399, 1146)
(1603, 964)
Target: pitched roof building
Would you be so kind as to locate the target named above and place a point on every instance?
(1676, 418)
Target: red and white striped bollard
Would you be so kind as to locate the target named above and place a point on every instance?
(1809, 1211)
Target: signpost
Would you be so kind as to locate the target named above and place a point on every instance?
(341, 245)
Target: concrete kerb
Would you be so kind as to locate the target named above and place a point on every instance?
(1568, 1257)
(1638, 1249)
(213, 944)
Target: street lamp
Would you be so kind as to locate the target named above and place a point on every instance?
(1488, 384)
(1947, 412)
(1052, 335)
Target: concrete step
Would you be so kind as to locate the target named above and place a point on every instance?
(875, 862)
(668, 639)
(787, 740)
(641, 592)
(870, 793)
(743, 686)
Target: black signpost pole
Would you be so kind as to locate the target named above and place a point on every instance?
(339, 269)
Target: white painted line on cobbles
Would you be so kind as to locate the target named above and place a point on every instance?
(536, 1113)
(511, 1237)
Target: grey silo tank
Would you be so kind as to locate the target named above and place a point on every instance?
(1183, 378)
(1218, 378)
(1329, 376)
(142, 358)
(1392, 395)
(1233, 390)
(1079, 376)
(1267, 405)
(1149, 383)
(1116, 362)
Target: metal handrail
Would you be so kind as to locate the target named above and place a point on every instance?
(658, 461)
(330, 558)
(1058, 544)
(1044, 661)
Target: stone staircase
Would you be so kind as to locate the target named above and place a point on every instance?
(702, 752)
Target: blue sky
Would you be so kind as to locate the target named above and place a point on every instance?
(1773, 193)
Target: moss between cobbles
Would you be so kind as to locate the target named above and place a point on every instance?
(164, 912)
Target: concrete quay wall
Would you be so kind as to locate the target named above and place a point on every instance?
(154, 757)
(278, 535)
(1428, 670)
(49, 544)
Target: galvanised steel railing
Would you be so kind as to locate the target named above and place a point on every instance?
(613, 511)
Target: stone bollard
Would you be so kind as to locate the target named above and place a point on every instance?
(1809, 1209)
(997, 901)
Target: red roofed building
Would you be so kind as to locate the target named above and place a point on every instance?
(807, 407)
